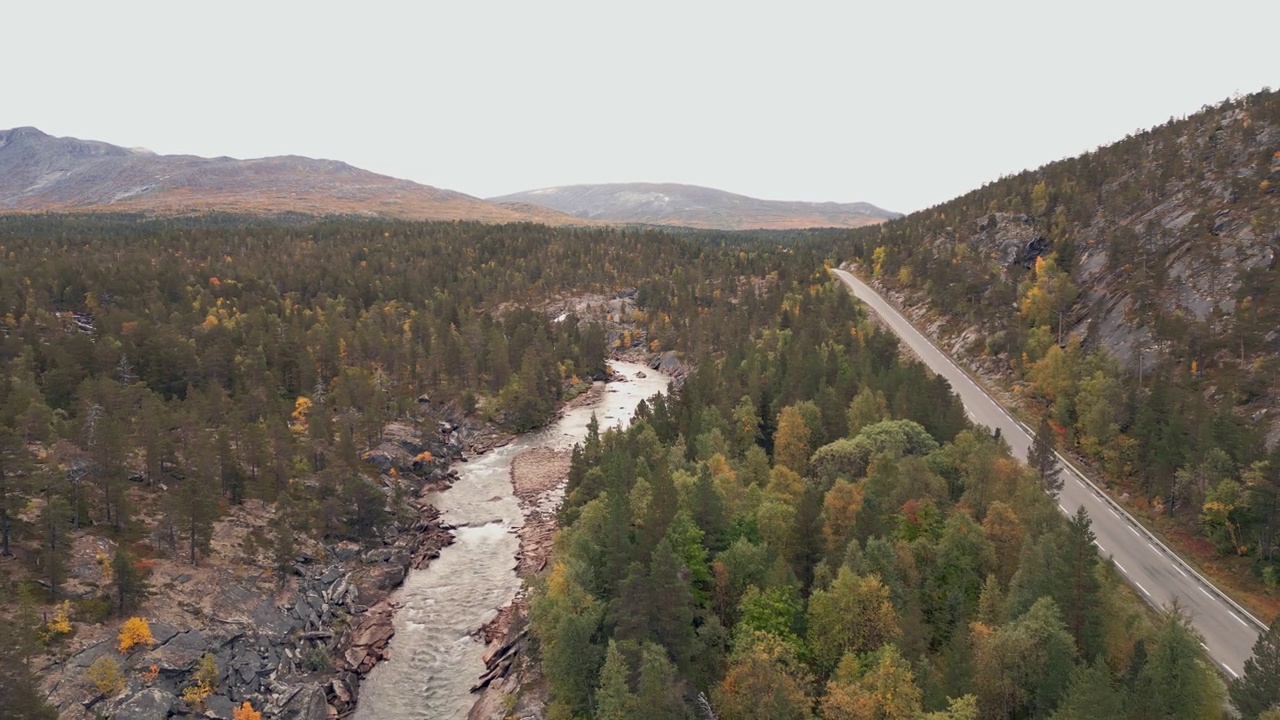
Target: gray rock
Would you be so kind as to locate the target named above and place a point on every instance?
(85, 658)
(331, 575)
(345, 550)
(181, 653)
(268, 620)
(308, 704)
(148, 704)
(162, 632)
(220, 707)
(377, 555)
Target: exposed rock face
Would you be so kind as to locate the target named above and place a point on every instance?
(1171, 236)
(692, 206)
(47, 174)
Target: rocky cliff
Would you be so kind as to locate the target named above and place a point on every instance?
(1166, 240)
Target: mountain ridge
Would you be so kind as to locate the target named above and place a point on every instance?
(694, 206)
(43, 173)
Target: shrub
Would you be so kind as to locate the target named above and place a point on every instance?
(106, 676)
(93, 610)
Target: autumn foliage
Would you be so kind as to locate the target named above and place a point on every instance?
(135, 631)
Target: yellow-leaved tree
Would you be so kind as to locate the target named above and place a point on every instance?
(1050, 293)
(135, 631)
(204, 682)
(60, 625)
(246, 712)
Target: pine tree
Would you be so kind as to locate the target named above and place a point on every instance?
(1259, 687)
(55, 530)
(193, 504)
(1079, 597)
(130, 587)
(1176, 682)
(614, 699)
(20, 696)
(1043, 458)
(1092, 694)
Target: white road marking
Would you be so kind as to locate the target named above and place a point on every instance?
(1206, 593)
(1135, 532)
(1238, 618)
(1100, 548)
(1153, 548)
(1178, 567)
(1144, 590)
(1117, 562)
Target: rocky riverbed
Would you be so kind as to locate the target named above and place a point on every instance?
(295, 649)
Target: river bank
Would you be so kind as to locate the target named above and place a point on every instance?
(512, 681)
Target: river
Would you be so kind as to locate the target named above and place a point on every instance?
(434, 660)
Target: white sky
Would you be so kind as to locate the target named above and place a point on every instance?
(901, 104)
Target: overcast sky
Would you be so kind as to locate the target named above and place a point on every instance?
(900, 104)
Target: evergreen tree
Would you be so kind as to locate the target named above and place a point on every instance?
(20, 696)
(1043, 459)
(193, 504)
(614, 699)
(1258, 689)
(1176, 683)
(1092, 694)
(1079, 597)
(130, 586)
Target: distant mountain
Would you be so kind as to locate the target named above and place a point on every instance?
(41, 173)
(693, 206)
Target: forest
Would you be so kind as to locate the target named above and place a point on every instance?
(155, 374)
(807, 527)
(811, 528)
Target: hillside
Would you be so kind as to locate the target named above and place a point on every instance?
(694, 207)
(1130, 294)
(41, 173)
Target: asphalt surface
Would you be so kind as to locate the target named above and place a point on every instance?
(1228, 631)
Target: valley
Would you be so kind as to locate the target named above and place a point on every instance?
(285, 438)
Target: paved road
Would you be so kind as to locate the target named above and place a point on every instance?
(1228, 631)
